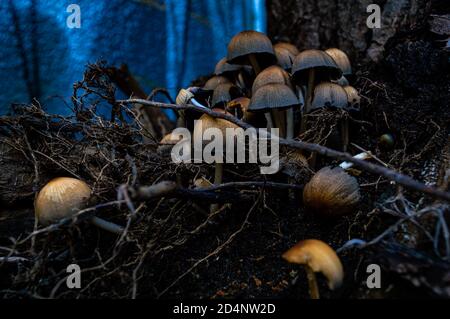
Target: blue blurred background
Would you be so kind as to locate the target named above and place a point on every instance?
(164, 43)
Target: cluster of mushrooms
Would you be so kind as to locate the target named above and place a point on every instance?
(265, 85)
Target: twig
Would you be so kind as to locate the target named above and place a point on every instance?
(322, 150)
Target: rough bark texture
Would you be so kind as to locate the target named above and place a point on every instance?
(342, 23)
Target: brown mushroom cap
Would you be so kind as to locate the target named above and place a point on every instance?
(327, 94)
(224, 93)
(166, 144)
(331, 192)
(341, 59)
(202, 183)
(324, 65)
(354, 100)
(270, 75)
(208, 122)
(222, 67)
(285, 58)
(320, 258)
(61, 198)
(250, 42)
(288, 46)
(213, 82)
(273, 96)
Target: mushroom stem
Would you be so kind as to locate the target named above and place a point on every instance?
(218, 174)
(280, 121)
(105, 225)
(312, 283)
(269, 120)
(254, 63)
(308, 98)
(290, 123)
(345, 135)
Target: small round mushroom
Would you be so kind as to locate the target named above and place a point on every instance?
(341, 60)
(331, 192)
(285, 58)
(251, 48)
(288, 46)
(166, 144)
(271, 99)
(353, 98)
(224, 68)
(215, 81)
(239, 107)
(386, 140)
(223, 94)
(270, 75)
(64, 197)
(328, 94)
(316, 256)
(310, 67)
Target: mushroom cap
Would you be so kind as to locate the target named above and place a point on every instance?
(213, 82)
(61, 198)
(353, 98)
(288, 46)
(167, 142)
(270, 75)
(324, 65)
(250, 42)
(202, 183)
(327, 94)
(342, 81)
(224, 93)
(341, 59)
(331, 192)
(320, 258)
(223, 67)
(240, 102)
(273, 96)
(206, 122)
(285, 58)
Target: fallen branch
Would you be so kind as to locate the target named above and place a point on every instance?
(392, 175)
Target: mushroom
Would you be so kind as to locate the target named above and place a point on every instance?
(353, 97)
(342, 81)
(213, 82)
(223, 94)
(328, 94)
(64, 197)
(285, 58)
(204, 123)
(341, 59)
(239, 107)
(275, 97)
(288, 46)
(386, 140)
(251, 48)
(166, 144)
(272, 75)
(235, 73)
(224, 68)
(310, 67)
(331, 192)
(316, 256)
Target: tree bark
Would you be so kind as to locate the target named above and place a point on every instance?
(323, 24)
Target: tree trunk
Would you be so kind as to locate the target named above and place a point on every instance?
(322, 24)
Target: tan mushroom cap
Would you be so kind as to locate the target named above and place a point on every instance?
(223, 67)
(331, 192)
(206, 122)
(327, 94)
(215, 81)
(285, 58)
(240, 102)
(202, 183)
(341, 60)
(170, 139)
(224, 93)
(270, 75)
(288, 46)
(250, 42)
(320, 258)
(354, 100)
(61, 198)
(324, 65)
(273, 96)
